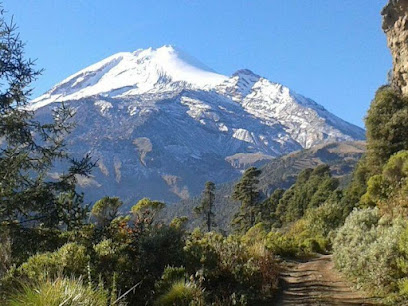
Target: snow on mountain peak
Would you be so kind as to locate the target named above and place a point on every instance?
(132, 73)
(161, 123)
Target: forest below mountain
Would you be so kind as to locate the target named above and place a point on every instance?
(345, 199)
(279, 173)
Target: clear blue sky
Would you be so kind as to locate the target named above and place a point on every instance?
(332, 51)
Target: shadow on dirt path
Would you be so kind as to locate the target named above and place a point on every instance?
(316, 282)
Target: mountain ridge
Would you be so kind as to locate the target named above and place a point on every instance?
(161, 124)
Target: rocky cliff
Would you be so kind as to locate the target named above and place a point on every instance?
(395, 26)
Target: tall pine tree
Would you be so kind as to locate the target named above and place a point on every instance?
(247, 193)
(28, 148)
(206, 207)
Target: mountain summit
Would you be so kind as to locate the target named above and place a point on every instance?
(161, 123)
(134, 73)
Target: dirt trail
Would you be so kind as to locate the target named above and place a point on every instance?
(317, 283)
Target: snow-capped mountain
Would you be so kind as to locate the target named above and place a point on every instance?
(161, 123)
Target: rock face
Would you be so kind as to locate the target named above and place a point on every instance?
(395, 26)
(160, 124)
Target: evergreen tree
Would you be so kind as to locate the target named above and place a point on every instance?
(28, 148)
(268, 208)
(145, 212)
(387, 130)
(105, 211)
(311, 189)
(71, 210)
(247, 193)
(206, 207)
(387, 127)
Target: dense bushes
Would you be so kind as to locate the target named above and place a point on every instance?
(227, 266)
(135, 254)
(371, 247)
(71, 259)
(367, 250)
(389, 189)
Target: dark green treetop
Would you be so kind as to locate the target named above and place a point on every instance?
(247, 193)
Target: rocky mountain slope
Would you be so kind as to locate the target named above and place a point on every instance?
(160, 123)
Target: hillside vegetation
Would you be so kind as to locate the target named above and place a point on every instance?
(280, 173)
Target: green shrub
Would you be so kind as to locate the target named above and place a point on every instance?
(70, 259)
(39, 267)
(312, 245)
(227, 265)
(57, 292)
(366, 250)
(257, 233)
(403, 287)
(323, 220)
(403, 263)
(282, 245)
(169, 277)
(183, 293)
(392, 183)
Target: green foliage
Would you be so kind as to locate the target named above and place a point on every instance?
(179, 222)
(71, 210)
(257, 233)
(387, 127)
(146, 204)
(206, 207)
(323, 220)
(366, 249)
(402, 263)
(29, 197)
(134, 250)
(357, 187)
(144, 213)
(57, 292)
(297, 241)
(183, 293)
(281, 244)
(70, 259)
(228, 265)
(106, 210)
(160, 248)
(169, 277)
(268, 208)
(247, 193)
(312, 188)
(390, 184)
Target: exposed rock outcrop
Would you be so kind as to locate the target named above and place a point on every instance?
(395, 26)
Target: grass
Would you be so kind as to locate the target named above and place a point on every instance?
(58, 292)
(182, 293)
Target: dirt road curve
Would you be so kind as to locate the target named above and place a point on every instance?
(317, 283)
